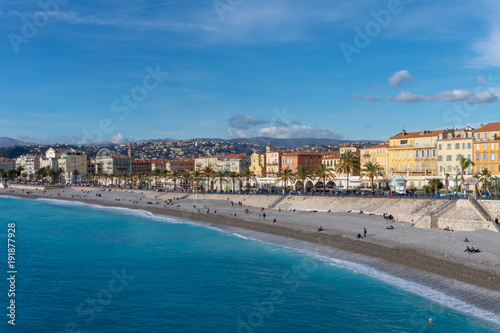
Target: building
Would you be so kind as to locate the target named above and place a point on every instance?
(73, 165)
(7, 165)
(273, 160)
(349, 148)
(376, 154)
(451, 146)
(181, 166)
(235, 163)
(113, 165)
(331, 159)
(90, 165)
(203, 162)
(159, 165)
(487, 148)
(258, 164)
(414, 153)
(292, 160)
(140, 167)
(51, 158)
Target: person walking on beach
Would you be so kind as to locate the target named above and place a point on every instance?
(364, 232)
(264, 216)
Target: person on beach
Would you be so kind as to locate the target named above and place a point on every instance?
(467, 249)
(466, 240)
(496, 220)
(320, 228)
(274, 221)
(364, 232)
(264, 216)
(358, 236)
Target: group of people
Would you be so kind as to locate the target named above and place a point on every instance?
(388, 217)
(471, 250)
(448, 229)
(358, 236)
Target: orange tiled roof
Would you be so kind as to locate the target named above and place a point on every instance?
(382, 145)
(489, 127)
(417, 134)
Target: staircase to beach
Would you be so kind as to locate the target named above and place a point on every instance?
(277, 201)
(483, 213)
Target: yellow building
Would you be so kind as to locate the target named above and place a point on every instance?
(376, 154)
(487, 148)
(451, 146)
(258, 164)
(73, 161)
(414, 153)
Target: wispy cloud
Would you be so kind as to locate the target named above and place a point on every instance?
(463, 96)
(370, 98)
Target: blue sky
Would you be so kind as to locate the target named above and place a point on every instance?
(86, 71)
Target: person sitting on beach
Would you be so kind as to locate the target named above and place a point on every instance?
(446, 229)
(274, 221)
(361, 212)
(466, 240)
(390, 228)
(467, 249)
(358, 236)
(320, 228)
(349, 211)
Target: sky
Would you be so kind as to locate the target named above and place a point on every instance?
(90, 71)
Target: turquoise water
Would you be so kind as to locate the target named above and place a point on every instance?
(88, 269)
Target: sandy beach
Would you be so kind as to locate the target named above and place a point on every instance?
(430, 250)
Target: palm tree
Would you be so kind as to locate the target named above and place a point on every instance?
(233, 176)
(174, 177)
(196, 176)
(157, 173)
(447, 182)
(372, 171)
(324, 172)
(207, 173)
(436, 184)
(284, 175)
(75, 174)
(484, 178)
(186, 179)
(494, 185)
(248, 175)
(221, 176)
(349, 163)
(464, 164)
(303, 173)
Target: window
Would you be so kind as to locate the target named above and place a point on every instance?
(469, 145)
(478, 147)
(493, 157)
(448, 158)
(485, 157)
(457, 145)
(440, 147)
(478, 136)
(448, 146)
(478, 157)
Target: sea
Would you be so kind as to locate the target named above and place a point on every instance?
(86, 268)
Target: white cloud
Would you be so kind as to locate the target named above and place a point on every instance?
(400, 78)
(302, 131)
(119, 139)
(463, 96)
(482, 80)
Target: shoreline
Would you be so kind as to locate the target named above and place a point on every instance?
(408, 261)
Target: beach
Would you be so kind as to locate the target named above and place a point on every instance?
(434, 251)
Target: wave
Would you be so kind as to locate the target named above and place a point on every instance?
(367, 266)
(371, 267)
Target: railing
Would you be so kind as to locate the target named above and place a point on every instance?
(481, 210)
(277, 201)
(439, 209)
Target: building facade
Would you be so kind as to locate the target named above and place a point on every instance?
(451, 146)
(113, 165)
(415, 153)
(7, 165)
(71, 162)
(181, 166)
(376, 154)
(258, 164)
(487, 148)
(292, 160)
